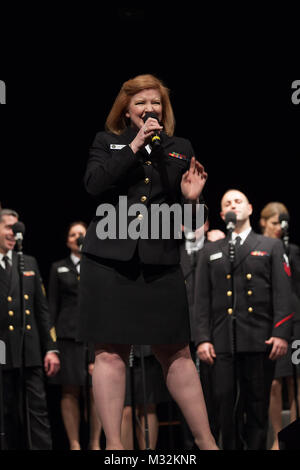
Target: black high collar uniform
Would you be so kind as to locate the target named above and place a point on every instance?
(115, 171)
(262, 292)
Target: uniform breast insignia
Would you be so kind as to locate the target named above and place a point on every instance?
(216, 256)
(63, 269)
(259, 253)
(178, 155)
(116, 146)
(28, 273)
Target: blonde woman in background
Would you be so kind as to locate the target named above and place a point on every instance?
(269, 222)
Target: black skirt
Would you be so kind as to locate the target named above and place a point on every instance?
(127, 302)
(73, 363)
(284, 365)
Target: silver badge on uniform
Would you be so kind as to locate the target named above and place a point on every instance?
(63, 269)
(116, 146)
(215, 256)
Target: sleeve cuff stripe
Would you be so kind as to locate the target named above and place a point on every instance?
(284, 320)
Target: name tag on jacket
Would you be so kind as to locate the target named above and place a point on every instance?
(216, 256)
(63, 269)
(116, 146)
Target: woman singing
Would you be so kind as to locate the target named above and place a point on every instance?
(132, 289)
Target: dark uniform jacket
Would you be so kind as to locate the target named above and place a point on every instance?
(188, 263)
(39, 336)
(293, 270)
(63, 298)
(262, 300)
(113, 170)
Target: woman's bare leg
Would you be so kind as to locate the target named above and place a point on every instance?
(184, 385)
(275, 409)
(126, 428)
(291, 394)
(71, 414)
(109, 378)
(95, 425)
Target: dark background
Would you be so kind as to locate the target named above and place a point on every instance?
(230, 83)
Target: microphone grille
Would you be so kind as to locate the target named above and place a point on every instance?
(18, 227)
(80, 240)
(149, 114)
(230, 217)
(284, 217)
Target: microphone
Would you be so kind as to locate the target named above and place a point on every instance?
(284, 223)
(155, 138)
(79, 241)
(284, 220)
(230, 220)
(19, 229)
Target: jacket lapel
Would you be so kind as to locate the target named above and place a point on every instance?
(249, 244)
(69, 263)
(15, 272)
(4, 283)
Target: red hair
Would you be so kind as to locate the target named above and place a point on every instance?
(117, 122)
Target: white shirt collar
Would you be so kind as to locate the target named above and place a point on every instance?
(243, 235)
(74, 258)
(8, 254)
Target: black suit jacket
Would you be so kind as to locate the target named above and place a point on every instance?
(39, 335)
(63, 297)
(113, 170)
(262, 295)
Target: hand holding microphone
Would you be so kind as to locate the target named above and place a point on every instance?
(150, 131)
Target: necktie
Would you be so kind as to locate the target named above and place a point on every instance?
(7, 265)
(237, 243)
